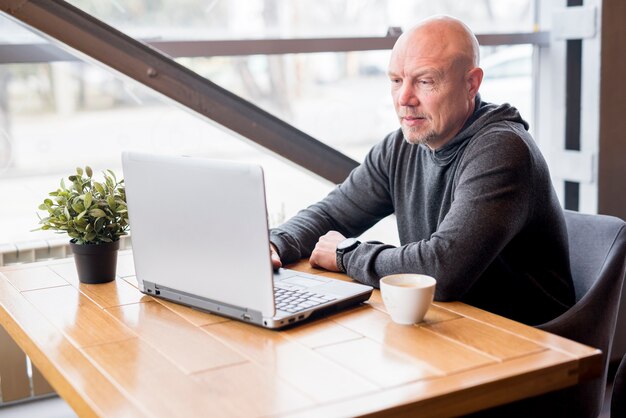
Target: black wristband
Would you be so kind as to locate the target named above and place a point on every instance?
(344, 247)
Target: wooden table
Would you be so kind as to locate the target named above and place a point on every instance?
(111, 351)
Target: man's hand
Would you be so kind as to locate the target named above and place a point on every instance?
(276, 263)
(325, 253)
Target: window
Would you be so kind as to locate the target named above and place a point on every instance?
(55, 116)
(62, 115)
(508, 78)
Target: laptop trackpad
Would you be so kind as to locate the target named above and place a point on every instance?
(304, 281)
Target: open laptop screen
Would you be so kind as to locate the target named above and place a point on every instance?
(200, 226)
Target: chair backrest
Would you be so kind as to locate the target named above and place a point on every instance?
(596, 250)
(618, 399)
(597, 247)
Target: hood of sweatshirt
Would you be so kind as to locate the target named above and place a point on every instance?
(484, 114)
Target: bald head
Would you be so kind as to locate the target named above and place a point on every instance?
(440, 36)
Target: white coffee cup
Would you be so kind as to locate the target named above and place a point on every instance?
(407, 296)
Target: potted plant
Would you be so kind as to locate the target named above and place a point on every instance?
(94, 215)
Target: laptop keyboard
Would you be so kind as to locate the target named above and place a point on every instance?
(292, 299)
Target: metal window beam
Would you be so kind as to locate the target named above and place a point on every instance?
(311, 45)
(84, 33)
(540, 38)
(34, 53)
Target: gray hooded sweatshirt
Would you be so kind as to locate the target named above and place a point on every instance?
(479, 214)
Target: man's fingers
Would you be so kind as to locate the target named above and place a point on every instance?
(313, 259)
(276, 261)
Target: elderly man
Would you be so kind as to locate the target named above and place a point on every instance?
(470, 190)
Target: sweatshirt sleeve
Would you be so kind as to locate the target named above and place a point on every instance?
(351, 208)
(491, 204)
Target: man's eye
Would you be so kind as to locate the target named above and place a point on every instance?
(396, 81)
(425, 82)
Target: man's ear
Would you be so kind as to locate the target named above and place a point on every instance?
(474, 78)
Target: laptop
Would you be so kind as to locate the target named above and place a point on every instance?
(200, 238)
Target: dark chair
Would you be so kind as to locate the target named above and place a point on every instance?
(597, 246)
(618, 399)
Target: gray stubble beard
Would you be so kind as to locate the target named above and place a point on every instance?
(422, 139)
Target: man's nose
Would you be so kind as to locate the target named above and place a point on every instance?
(407, 96)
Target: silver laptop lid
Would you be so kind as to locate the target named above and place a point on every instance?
(200, 226)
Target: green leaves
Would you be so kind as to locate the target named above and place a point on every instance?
(99, 188)
(90, 212)
(111, 202)
(88, 199)
(97, 213)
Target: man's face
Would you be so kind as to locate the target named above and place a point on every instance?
(430, 94)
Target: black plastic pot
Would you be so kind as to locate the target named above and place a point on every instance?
(96, 263)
